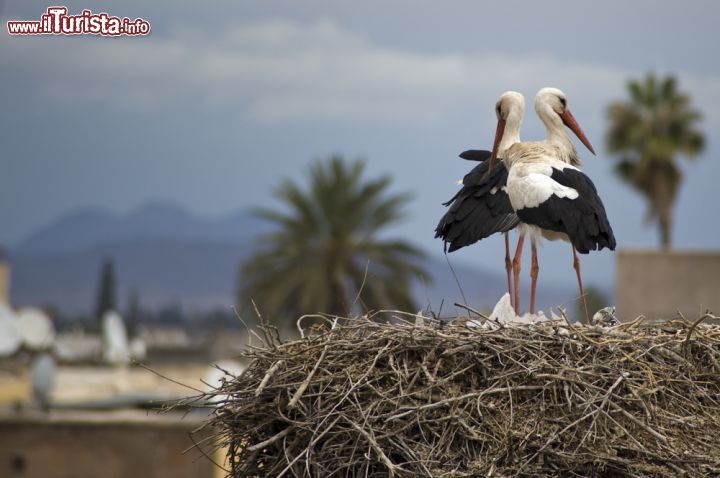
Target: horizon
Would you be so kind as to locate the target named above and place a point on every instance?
(212, 111)
(59, 265)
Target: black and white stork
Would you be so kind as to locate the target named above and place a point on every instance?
(482, 207)
(551, 196)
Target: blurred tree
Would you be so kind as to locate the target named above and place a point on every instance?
(647, 133)
(170, 314)
(317, 259)
(133, 314)
(106, 295)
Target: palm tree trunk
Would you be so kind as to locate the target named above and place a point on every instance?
(665, 229)
(664, 199)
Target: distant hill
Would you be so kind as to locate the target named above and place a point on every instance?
(89, 228)
(163, 251)
(170, 255)
(196, 274)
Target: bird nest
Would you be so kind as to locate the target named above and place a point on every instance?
(383, 396)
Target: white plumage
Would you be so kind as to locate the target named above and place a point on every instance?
(532, 185)
(550, 196)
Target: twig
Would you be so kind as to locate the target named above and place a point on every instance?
(271, 440)
(165, 377)
(379, 395)
(268, 375)
(471, 310)
(308, 379)
(381, 454)
(686, 342)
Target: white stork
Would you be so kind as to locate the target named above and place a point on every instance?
(550, 195)
(482, 207)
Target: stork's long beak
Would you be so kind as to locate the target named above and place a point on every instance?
(496, 143)
(569, 120)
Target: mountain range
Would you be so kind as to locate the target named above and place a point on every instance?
(172, 256)
(90, 228)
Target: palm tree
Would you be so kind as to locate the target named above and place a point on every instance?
(325, 255)
(647, 133)
(107, 293)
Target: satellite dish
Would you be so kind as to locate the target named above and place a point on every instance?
(36, 328)
(115, 341)
(10, 339)
(42, 377)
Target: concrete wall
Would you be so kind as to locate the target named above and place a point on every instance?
(656, 283)
(100, 446)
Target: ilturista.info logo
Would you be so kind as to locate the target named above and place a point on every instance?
(56, 21)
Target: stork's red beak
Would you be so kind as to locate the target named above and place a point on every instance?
(496, 143)
(569, 120)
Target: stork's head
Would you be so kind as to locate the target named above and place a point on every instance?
(551, 105)
(509, 110)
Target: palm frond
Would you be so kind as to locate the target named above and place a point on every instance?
(325, 251)
(647, 133)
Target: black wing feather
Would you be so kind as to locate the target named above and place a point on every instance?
(583, 219)
(476, 155)
(477, 212)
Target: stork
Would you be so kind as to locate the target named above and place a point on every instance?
(551, 196)
(482, 207)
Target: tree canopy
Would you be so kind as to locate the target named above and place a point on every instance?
(326, 253)
(107, 294)
(647, 133)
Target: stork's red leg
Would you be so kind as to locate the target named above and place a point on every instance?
(508, 265)
(516, 271)
(534, 269)
(576, 265)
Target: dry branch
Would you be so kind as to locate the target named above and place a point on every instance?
(381, 396)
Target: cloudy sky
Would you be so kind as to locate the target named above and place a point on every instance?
(220, 101)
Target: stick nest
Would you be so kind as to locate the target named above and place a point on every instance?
(375, 397)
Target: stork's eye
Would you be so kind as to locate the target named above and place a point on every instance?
(497, 109)
(563, 102)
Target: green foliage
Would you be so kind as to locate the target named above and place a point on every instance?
(106, 296)
(646, 133)
(326, 254)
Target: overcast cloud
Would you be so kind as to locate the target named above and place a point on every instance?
(213, 107)
(285, 70)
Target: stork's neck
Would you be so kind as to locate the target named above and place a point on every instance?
(511, 135)
(558, 136)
